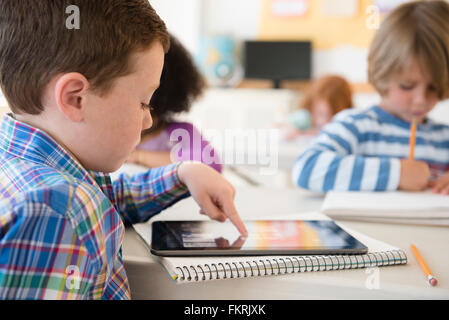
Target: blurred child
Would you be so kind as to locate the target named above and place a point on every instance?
(367, 150)
(169, 141)
(327, 96)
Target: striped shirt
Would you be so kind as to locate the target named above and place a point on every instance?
(360, 150)
(61, 226)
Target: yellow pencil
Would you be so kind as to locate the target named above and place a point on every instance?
(412, 141)
(432, 281)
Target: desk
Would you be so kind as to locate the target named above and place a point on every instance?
(148, 280)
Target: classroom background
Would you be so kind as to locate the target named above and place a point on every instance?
(239, 111)
(238, 105)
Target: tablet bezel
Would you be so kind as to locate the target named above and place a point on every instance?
(159, 250)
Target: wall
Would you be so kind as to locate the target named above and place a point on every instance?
(183, 18)
(238, 18)
(251, 19)
(327, 31)
(340, 42)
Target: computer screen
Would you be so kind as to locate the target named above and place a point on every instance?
(277, 60)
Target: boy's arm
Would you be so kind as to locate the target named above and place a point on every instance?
(40, 255)
(150, 159)
(332, 163)
(141, 196)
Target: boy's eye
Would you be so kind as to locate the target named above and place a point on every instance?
(146, 106)
(406, 87)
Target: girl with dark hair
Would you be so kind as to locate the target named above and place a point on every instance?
(169, 141)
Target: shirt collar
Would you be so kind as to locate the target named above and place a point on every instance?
(387, 117)
(24, 141)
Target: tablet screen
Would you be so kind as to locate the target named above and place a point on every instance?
(265, 237)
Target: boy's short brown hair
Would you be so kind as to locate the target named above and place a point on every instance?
(36, 45)
(416, 30)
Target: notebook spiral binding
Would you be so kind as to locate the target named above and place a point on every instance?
(285, 265)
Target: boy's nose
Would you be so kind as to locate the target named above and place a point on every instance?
(147, 120)
(421, 98)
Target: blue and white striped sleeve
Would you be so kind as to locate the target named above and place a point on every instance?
(333, 162)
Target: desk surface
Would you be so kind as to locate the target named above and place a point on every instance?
(148, 280)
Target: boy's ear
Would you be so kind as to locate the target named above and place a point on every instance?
(70, 93)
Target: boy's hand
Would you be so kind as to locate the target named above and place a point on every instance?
(440, 185)
(415, 175)
(213, 193)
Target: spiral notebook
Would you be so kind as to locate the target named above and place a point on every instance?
(191, 269)
(422, 208)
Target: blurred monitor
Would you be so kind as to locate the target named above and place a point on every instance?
(277, 60)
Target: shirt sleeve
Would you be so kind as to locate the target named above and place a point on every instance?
(141, 196)
(332, 163)
(41, 256)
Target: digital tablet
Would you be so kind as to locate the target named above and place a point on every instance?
(265, 237)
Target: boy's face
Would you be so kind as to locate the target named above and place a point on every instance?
(321, 113)
(114, 122)
(411, 94)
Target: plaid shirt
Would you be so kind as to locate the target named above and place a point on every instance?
(61, 227)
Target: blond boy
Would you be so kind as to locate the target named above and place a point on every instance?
(367, 150)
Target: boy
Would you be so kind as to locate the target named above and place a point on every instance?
(367, 150)
(78, 98)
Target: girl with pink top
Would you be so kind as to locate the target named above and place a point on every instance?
(169, 141)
